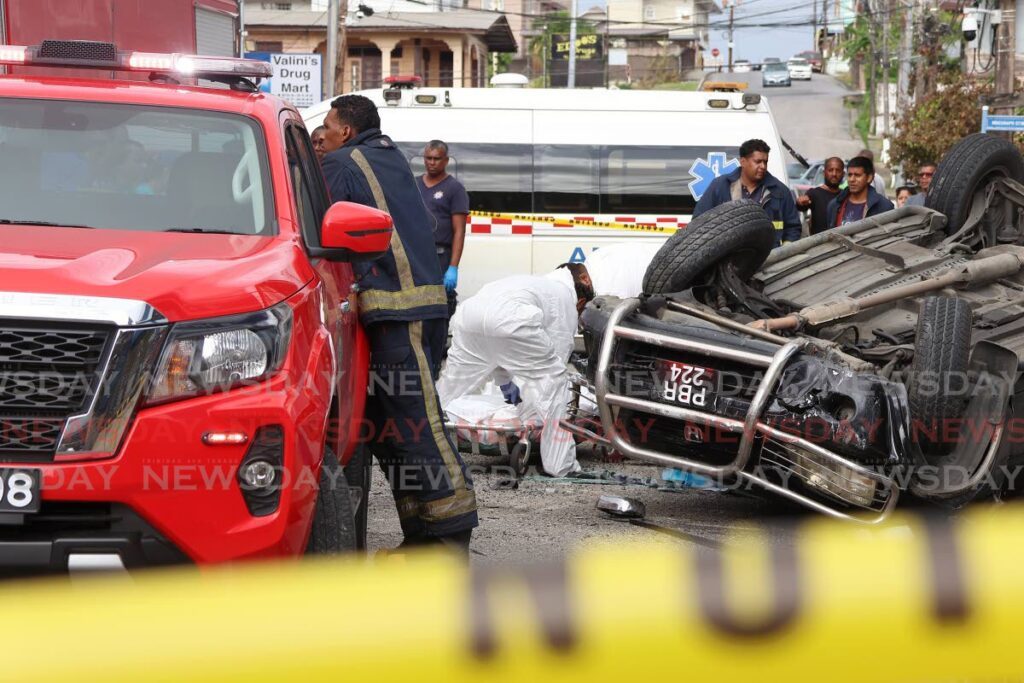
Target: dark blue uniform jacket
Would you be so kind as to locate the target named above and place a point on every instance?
(777, 202)
(404, 283)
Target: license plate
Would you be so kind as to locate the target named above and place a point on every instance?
(685, 384)
(19, 490)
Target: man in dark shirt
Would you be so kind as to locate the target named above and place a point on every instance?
(859, 200)
(818, 198)
(446, 199)
(753, 181)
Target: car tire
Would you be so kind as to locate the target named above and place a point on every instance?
(359, 477)
(965, 170)
(334, 529)
(739, 232)
(942, 349)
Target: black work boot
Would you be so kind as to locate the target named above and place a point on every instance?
(458, 541)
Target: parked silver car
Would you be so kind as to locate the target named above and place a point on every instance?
(775, 74)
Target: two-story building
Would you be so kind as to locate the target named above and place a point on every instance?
(443, 46)
(654, 41)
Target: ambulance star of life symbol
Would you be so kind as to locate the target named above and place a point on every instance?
(706, 170)
(438, 194)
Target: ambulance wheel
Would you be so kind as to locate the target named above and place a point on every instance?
(737, 234)
(334, 528)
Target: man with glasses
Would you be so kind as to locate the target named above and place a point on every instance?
(925, 173)
(446, 199)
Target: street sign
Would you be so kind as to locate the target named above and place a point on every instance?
(992, 122)
(715, 52)
(588, 47)
(297, 77)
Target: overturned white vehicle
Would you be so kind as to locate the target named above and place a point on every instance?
(843, 370)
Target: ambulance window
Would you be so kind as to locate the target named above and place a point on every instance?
(566, 178)
(646, 180)
(497, 177)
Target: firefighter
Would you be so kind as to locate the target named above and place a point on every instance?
(404, 309)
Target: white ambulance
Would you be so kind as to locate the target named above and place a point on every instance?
(555, 174)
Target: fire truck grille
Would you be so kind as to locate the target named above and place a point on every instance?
(47, 374)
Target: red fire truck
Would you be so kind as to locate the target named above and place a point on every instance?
(177, 326)
(204, 27)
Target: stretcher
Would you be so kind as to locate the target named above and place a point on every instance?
(514, 441)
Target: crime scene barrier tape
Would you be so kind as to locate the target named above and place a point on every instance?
(574, 222)
(916, 600)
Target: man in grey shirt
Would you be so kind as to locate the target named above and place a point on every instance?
(925, 172)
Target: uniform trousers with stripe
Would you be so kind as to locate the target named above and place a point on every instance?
(433, 490)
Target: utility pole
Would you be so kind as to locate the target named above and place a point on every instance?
(544, 54)
(336, 11)
(903, 82)
(732, 8)
(872, 58)
(241, 28)
(571, 83)
(824, 31)
(814, 26)
(1005, 50)
(921, 24)
(885, 68)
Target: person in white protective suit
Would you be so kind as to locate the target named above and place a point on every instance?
(521, 328)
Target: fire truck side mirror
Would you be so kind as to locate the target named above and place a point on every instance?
(355, 231)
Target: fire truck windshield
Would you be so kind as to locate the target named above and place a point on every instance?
(132, 167)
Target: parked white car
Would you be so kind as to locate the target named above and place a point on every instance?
(799, 69)
(741, 66)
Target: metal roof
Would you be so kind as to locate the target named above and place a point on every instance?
(491, 26)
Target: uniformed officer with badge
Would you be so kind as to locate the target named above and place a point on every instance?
(446, 199)
(403, 306)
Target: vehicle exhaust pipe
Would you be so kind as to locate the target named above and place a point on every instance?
(974, 272)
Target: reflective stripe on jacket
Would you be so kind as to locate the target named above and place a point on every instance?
(404, 283)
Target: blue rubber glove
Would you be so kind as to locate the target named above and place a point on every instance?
(451, 278)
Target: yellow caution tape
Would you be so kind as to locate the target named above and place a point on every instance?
(907, 601)
(572, 222)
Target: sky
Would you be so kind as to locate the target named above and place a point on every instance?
(756, 43)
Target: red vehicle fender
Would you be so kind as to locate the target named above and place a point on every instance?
(360, 377)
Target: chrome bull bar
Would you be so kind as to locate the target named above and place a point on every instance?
(749, 428)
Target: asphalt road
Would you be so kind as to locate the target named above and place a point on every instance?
(545, 518)
(809, 114)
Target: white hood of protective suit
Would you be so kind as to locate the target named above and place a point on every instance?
(618, 269)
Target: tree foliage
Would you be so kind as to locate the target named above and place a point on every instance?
(925, 131)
